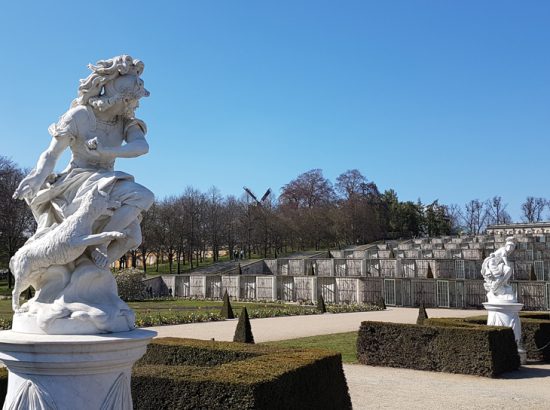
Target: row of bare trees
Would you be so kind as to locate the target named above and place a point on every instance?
(311, 212)
(477, 215)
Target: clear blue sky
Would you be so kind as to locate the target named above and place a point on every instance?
(435, 99)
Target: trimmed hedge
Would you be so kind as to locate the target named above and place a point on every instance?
(3, 385)
(469, 349)
(535, 331)
(189, 374)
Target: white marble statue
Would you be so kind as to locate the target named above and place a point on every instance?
(502, 305)
(496, 272)
(88, 215)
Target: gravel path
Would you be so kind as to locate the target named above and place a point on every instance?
(291, 327)
(389, 388)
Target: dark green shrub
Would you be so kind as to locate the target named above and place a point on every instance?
(381, 303)
(535, 331)
(422, 314)
(130, 285)
(195, 374)
(3, 384)
(470, 349)
(239, 269)
(532, 274)
(243, 332)
(227, 311)
(430, 274)
(321, 304)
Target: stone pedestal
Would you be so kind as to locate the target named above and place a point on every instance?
(65, 372)
(507, 314)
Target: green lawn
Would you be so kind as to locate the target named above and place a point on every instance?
(344, 343)
(5, 309)
(4, 291)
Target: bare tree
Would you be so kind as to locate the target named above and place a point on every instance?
(497, 211)
(16, 220)
(475, 216)
(533, 208)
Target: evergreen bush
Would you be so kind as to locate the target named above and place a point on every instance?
(535, 331)
(321, 304)
(532, 274)
(130, 285)
(430, 274)
(422, 314)
(196, 374)
(227, 310)
(471, 349)
(243, 332)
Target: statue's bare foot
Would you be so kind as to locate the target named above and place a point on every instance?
(99, 256)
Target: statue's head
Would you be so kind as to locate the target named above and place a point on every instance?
(510, 244)
(114, 84)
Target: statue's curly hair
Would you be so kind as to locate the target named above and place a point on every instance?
(104, 72)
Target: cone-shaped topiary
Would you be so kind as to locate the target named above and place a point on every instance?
(311, 270)
(240, 270)
(227, 310)
(392, 254)
(321, 304)
(430, 274)
(532, 274)
(381, 303)
(422, 314)
(243, 332)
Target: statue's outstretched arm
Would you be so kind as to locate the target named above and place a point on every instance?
(30, 185)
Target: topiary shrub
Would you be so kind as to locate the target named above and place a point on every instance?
(532, 274)
(130, 285)
(243, 332)
(430, 274)
(227, 310)
(535, 331)
(321, 307)
(422, 314)
(381, 303)
(471, 349)
(196, 374)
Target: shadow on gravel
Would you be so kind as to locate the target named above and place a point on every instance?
(532, 371)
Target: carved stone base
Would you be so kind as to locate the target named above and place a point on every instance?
(507, 314)
(65, 372)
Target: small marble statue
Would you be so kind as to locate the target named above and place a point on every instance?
(496, 272)
(88, 215)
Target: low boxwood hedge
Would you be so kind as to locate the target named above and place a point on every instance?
(535, 331)
(467, 349)
(190, 374)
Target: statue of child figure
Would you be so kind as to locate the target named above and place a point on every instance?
(496, 272)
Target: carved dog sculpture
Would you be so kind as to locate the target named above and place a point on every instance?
(63, 244)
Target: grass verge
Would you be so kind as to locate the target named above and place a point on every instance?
(343, 343)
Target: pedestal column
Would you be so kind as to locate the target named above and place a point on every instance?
(66, 372)
(507, 314)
